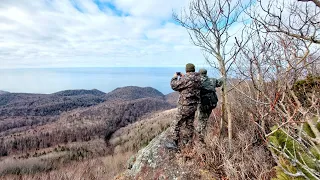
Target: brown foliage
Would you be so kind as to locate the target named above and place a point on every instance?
(97, 168)
(21, 134)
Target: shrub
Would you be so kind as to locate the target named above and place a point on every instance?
(298, 157)
(304, 88)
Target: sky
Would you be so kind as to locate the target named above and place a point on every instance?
(93, 33)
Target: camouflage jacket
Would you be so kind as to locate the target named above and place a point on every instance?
(188, 87)
(208, 90)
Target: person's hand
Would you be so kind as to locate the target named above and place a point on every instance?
(175, 75)
(181, 74)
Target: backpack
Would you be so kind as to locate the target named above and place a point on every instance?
(208, 94)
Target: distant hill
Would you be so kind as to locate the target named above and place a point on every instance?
(3, 92)
(19, 104)
(133, 92)
(80, 92)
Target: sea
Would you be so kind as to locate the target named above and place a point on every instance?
(50, 80)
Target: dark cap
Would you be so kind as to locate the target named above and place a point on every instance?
(190, 67)
(203, 71)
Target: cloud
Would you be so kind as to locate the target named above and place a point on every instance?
(78, 33)
(147, 8)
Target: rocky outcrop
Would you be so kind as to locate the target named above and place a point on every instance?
(155, 161)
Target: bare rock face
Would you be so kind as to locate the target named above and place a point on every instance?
(155, 161)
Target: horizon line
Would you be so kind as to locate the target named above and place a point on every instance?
(99, 67)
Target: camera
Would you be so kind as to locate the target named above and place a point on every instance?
(178, 73)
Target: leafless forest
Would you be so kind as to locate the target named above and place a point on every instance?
(68, 125)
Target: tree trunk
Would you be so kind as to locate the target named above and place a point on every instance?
(223, 119)
(260, 96)
(226, 111)
(229, 116)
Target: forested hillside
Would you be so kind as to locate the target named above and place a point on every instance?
(33, 125)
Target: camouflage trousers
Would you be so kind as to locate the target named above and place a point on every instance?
(186, 115)
(203, 116)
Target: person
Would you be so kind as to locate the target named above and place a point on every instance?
(208, 101)
(188, 86)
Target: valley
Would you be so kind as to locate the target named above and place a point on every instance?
(52, 130)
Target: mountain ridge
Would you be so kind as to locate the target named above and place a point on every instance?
(18, 104)
(76, 92)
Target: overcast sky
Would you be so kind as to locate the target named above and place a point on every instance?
(93, 33)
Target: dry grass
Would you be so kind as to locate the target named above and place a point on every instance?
(139, 134)
(243, 162)
(249, 157)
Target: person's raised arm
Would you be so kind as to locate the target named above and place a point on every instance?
(177, 84)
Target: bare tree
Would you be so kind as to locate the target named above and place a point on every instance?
(209, 24)
(283, 45)
(271, 65)
(281, 51)
(297, 20)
